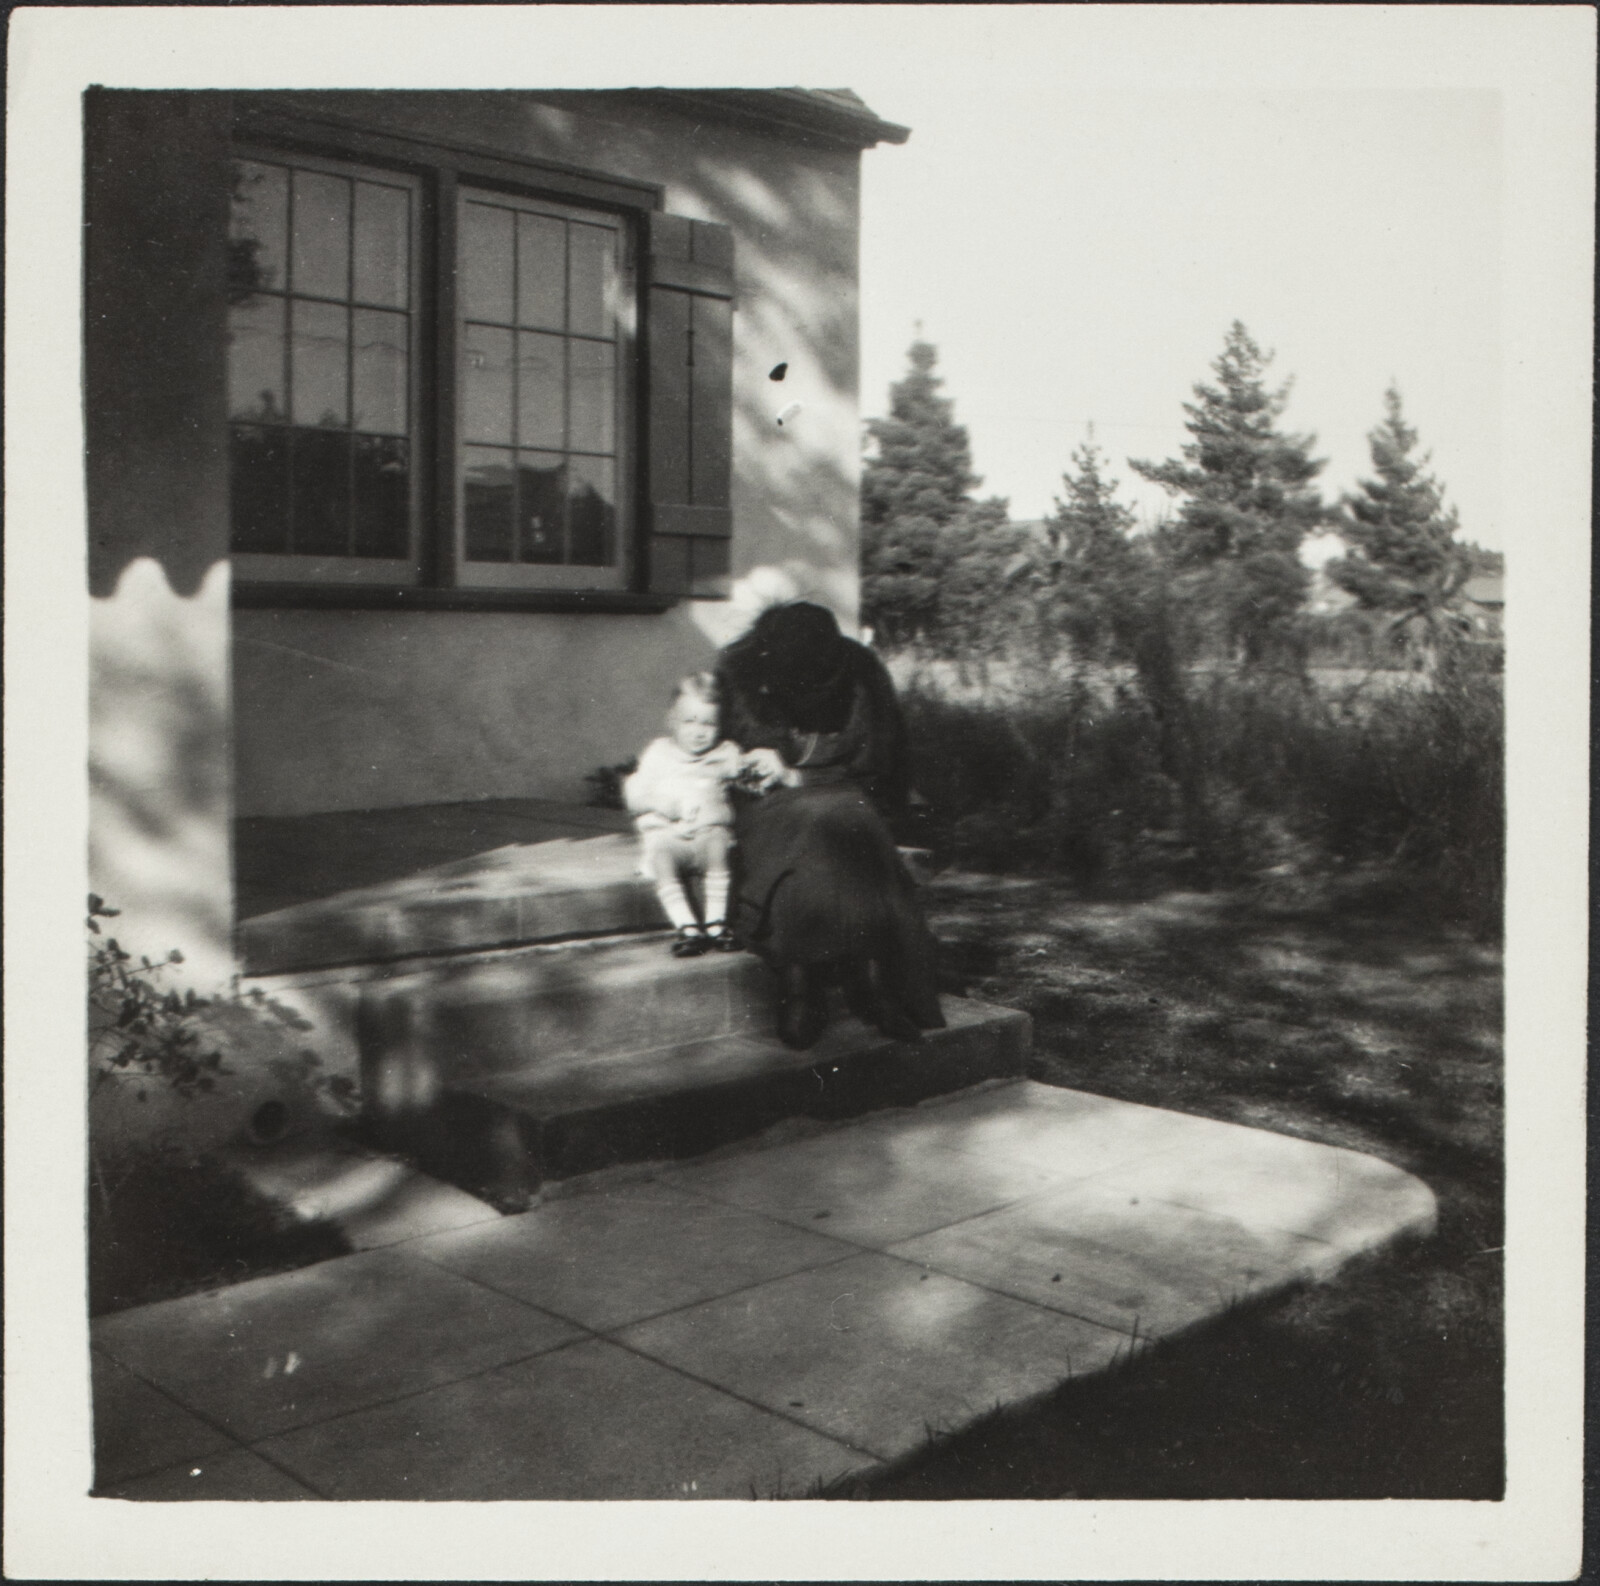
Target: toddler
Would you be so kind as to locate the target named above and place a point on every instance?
(679, 797)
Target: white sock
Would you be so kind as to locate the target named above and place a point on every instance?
(675, 903)
(716, 897)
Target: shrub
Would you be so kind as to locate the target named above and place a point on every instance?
(166, 1214)
(143, 1036)
(1283, 778)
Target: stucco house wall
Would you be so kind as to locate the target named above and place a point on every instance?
(205, 709)
(363, 709)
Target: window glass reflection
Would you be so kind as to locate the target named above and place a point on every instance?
(591, 288)
(558, 277)
(381, 271)
(379, 370)
(541, 390)
(321, 256)
(486, 263)
(541, 272)
(591, 512)
(380, 480)
(486, 394)
(306, 369)
(259, 483)
(255, 360)
(257, 224)
(540, 506)
(489, 487)
(593, 396)
(320, 488)
(319, 354)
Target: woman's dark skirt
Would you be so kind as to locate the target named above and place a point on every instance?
(818, 881)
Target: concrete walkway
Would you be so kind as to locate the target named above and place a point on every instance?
(745, 1325)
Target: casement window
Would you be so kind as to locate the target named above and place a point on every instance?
(443, 379)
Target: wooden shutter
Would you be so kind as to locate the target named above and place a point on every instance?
(689, 435)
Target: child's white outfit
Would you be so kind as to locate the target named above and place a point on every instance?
(681, 808)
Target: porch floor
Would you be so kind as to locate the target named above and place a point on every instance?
(283, 860)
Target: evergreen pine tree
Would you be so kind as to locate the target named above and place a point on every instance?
(1404, 556)
(1246, 502)
(1116, 602)
(1088, 577)
(930, 555)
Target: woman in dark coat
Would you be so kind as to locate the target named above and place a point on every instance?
(820, 891)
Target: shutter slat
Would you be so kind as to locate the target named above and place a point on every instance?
(669, 517)
(688, 275)
(669, 564)
(709, 567)
(711, 412)
(712, 245)
(669, 397)
(669, 236)
(689, 343)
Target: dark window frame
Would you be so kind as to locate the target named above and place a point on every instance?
(442, 169)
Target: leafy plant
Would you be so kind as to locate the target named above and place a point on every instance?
(137, 1031)
(144, 1035)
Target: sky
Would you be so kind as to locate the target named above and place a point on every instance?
(1076, 253)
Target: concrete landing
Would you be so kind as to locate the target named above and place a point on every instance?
(284, 860)
(522, 892)
(744, 1325)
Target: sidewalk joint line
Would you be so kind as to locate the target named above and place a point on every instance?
(754, 1404)
(417, 1393)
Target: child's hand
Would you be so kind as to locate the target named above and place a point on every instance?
(766, 766)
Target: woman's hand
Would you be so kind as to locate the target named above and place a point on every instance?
(769, 770)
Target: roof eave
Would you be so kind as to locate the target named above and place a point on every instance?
(795, 112)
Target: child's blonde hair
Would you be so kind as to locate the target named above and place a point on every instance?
(701, 687)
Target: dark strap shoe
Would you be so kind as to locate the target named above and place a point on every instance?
(691, 943)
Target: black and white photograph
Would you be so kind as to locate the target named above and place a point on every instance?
(777, 741)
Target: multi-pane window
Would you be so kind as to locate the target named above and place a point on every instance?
(331, 420)
(542, 308)
(323, 330)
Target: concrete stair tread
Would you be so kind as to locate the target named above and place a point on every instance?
(286, 860)
(561, 1114)
(566, 1006)
(583, 1080)
(520, 892)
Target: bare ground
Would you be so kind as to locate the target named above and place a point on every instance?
(1339, 1023)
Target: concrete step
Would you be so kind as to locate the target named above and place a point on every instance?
(438, 1019)
(523, 892)
(502, 1133)
(580, 1003)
